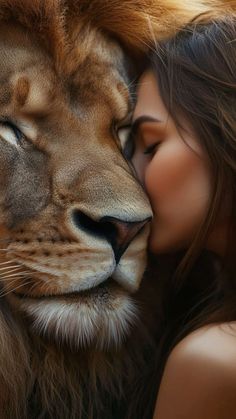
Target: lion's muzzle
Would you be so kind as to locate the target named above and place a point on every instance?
(119, 233)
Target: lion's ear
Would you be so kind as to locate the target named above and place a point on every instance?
(137, 23)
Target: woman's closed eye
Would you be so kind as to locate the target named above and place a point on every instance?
(140, 136)
(151, 148)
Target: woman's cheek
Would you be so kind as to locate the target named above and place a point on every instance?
(164, 174)
(173, 177)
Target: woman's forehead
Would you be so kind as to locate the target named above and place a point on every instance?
(149, 100)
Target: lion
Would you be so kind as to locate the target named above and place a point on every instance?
(77, 326)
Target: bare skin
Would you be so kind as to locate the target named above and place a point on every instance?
(175, 173)
(199, 380)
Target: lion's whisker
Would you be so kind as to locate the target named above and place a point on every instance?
(15, 275)
(8, 261)
(33, 287)
(10, 271)
(13, 290)
(10, 267)
(19, 274)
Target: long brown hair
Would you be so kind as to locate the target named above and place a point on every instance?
(196, 74)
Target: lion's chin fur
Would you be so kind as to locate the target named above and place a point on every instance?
(100, 319)
(41, 379)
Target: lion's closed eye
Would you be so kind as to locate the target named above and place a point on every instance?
(123, 134)
(11, 133)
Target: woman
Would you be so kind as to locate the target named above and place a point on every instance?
(184, 152)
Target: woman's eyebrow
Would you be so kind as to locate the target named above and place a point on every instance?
(141, 120)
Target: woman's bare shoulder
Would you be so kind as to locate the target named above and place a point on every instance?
(213, 342)
(199, 379)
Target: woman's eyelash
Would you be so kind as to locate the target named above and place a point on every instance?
(150, 148)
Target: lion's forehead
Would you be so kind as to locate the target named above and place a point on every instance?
(95, 80)
(67, 115)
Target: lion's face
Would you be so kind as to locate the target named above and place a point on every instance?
(73, 218)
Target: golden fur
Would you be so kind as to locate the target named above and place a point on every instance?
(76, 338)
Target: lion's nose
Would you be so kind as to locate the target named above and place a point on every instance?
(120, 233)
(117, 232)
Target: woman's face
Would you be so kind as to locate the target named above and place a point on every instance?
(173, 169)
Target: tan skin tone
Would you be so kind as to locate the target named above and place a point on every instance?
(175, 173)
(199, 380)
